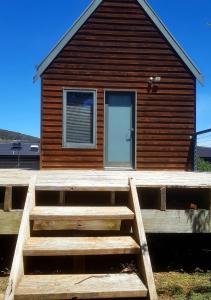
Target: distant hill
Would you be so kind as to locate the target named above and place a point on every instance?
(9, 136)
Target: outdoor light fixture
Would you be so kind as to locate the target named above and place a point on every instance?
(152, 81)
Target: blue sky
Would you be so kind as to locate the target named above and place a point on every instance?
(29, 29)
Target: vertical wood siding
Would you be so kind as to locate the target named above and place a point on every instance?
(119, 47)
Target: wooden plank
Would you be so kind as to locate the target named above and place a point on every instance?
(62, 198)
(15, 177)
(163, 198)
(109, 180)
(172, 179)
(82, 188)
(139, 234)
(176, 221)
(17, 269)
(87, 286)
(104, 77)
(113, 198)
(10, 222)
(209, 199)
(79, 213)
(111, 225)
(65, 246)
(155, 221)
(8, 198)
(96, 179)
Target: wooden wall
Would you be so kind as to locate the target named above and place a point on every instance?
(119, 47)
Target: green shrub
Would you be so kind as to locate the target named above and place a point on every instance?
(203, 166)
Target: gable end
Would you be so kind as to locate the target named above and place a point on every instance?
(89, 11)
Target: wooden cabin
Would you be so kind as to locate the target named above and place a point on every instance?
(118, 92)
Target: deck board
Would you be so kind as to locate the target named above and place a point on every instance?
(54, 246)
(107, 179)
(78, 213)
(15, 177)
(87, 286)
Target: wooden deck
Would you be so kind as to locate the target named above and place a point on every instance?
(14, 177)
(160, 217)
(108, 179)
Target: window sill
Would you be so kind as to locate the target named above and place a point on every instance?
(79, 147)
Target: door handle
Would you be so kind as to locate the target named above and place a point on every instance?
(131, 131)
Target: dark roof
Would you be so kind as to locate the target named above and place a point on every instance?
(15, 148)
(204, 151)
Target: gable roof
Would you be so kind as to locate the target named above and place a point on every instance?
(88, 12)
(204, 151)
(26, 149)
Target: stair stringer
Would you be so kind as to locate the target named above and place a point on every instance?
(144, 262)
(17, 270)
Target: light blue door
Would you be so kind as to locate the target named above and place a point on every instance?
(119, 136)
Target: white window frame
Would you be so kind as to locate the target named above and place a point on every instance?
(78, 145)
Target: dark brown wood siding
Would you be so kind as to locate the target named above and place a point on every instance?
(119, 47)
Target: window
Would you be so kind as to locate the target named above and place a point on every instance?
(79, 119)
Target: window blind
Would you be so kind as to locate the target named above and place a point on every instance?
(79, 117)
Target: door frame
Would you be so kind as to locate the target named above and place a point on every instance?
(135, 128)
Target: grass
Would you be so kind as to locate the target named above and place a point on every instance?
(183, 286)
(3, 284)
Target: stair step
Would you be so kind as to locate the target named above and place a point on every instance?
(72, 213)
(54, 246)
(86, 286)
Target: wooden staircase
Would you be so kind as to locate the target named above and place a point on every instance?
(82, 286)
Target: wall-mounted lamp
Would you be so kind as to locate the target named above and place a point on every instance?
(152, 81)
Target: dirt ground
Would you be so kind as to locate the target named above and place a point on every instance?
(183, 286)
